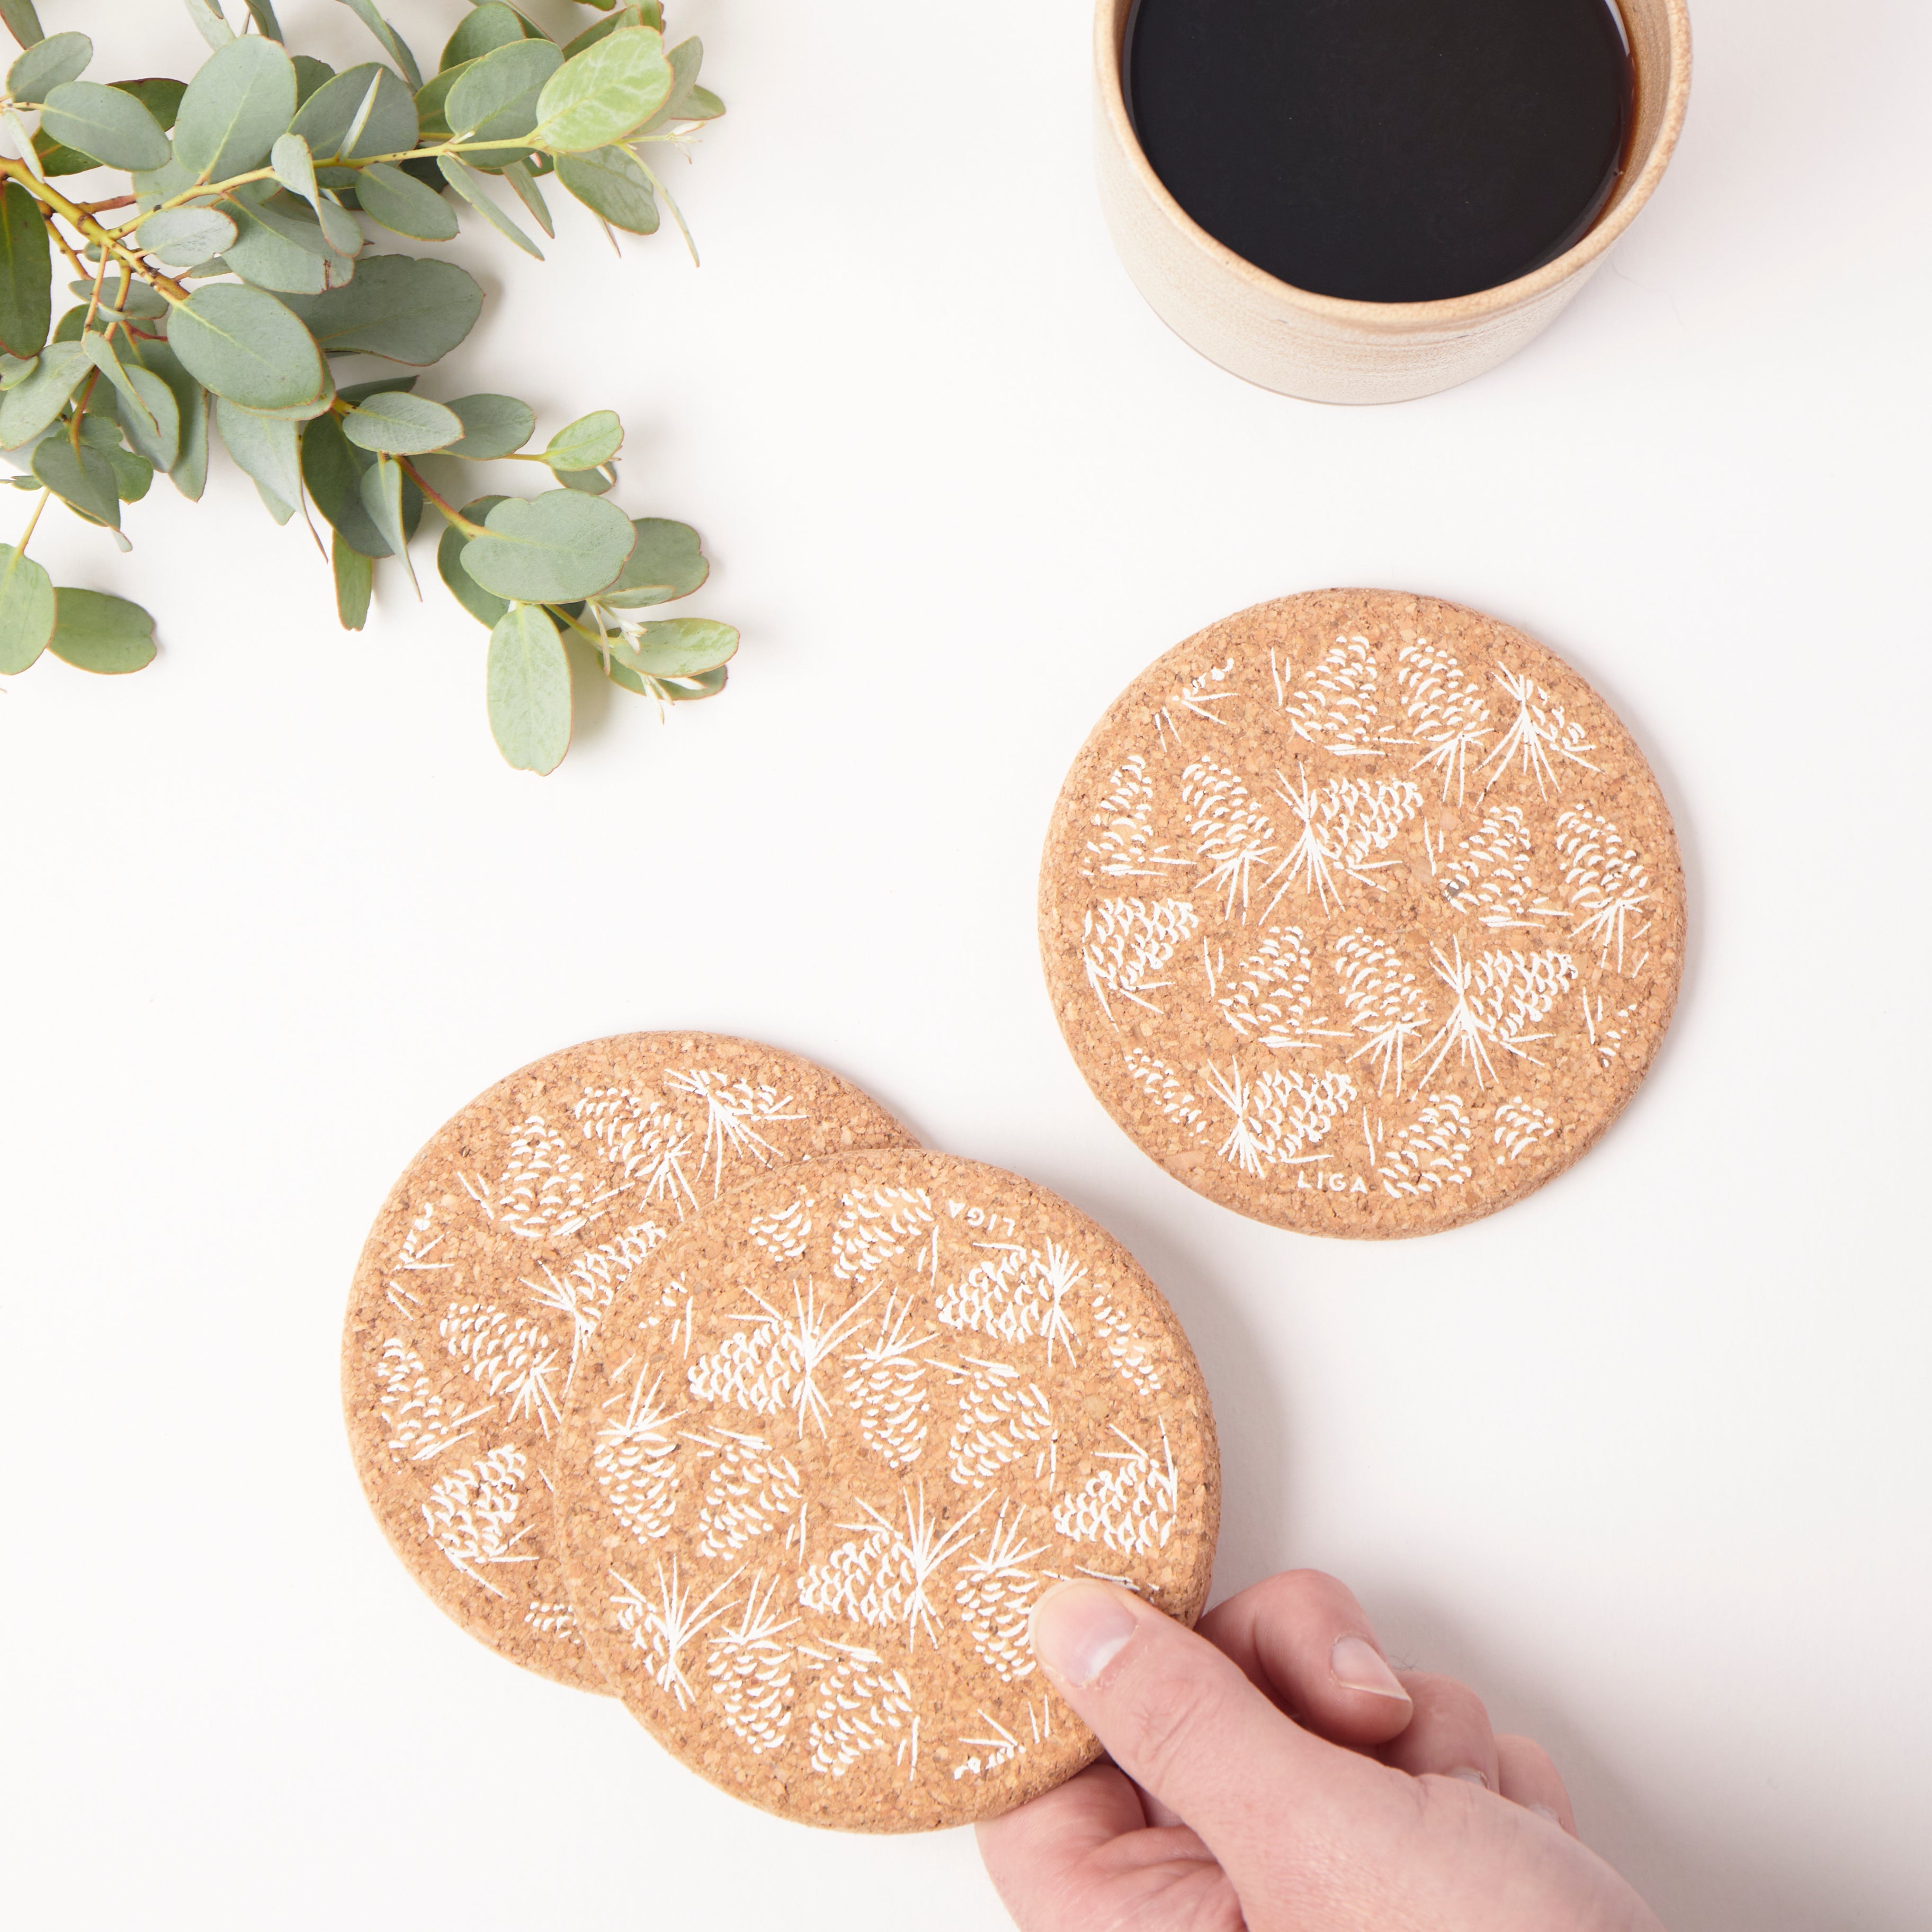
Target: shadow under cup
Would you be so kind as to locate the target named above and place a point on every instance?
(1331, 349)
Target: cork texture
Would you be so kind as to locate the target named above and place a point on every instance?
(828, 1447)
(1362, 913)
(491, 1266)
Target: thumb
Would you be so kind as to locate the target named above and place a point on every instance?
(1288, 1817)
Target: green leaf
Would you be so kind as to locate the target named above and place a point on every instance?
(281, 246)
(311, 74)
(550, 548)
(528, 681)
(29, 406)
(382, 498)
(242, 98)
(493, 426)
(469, 184)
(328, 118)
(685, 60)
(624, 17)
(518, 174)
(132, 475)
(355, 579)
(666, 562)
(401, 203)
(592, 482)
(604, 93)
(333, 471)
(464, 588)
(495, 100)
(154, 430)
(26, 610)
(610, 183)
(586, 443)
(263, 15)
(16, 369)
(676, 647)
(100, 351)
(93, 632)
(45, 64)
(702, 105)
(402, 425)
(83, 478)
(489, 26)
(187, 235)
(407, 310)
(392, 42)
(264, 449)
(26, 270)
(110, 125)
(141, 302)
(189, 470)
(206, 15)
(22, 22)
(244, 344)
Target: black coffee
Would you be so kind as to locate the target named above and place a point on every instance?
(1384, 150)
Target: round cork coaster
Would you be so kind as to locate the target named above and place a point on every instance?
(493, 1260)
(828, 1447)
(1362, 913)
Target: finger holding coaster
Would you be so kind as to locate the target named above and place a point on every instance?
(491, 1266)
(1362, 913)
(827, 1447)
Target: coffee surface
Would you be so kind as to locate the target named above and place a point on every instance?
(1384, 150)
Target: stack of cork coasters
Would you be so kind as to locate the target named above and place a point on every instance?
(1362, 913)
(673, 1367)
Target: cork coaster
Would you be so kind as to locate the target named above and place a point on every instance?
(830, 1444)
(1362, 913)
(493, 1260)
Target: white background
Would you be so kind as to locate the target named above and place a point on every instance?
(1644, 1458)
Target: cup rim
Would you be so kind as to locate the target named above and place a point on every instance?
(1449, 312)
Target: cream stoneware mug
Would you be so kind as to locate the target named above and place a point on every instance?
(1327, 349)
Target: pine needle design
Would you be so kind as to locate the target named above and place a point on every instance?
(1521, 1127)
(644, 1140)
(1126, 1346)
(1344, 822)
(751, 1671)
(1384, 1002)
(1606, 1030)
(863, 1705)
(471, 1514)
(1125, 942)
(1336, 705)
(1607, 882)
(995, 1589)
(542, 1195)
(1197, 698)
(419, 1423)
(772, 1363)
(1445, 712)
(1269, 1001)
(1233, 837)
(1277, 1115)
(1539, 731)
(749, 1489)
(584, 1293)
(1489, 879)
(1015, 1295)
(890, 1574)
(506, 1356)
(1497, 997)
(734, 1110)
(877, 1224)
(634, 1459)
(1124, 846)
(1166, 1093)
(885, 1387)
(1131, 1508)
(1000, 1418)
(662, 1626)
(413, 1257)
(1431, 1153)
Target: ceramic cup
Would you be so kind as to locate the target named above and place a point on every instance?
(1328, 349)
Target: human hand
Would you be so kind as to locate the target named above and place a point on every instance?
(1270, 1773)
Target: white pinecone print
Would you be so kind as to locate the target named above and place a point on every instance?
(751, 1671)
(1196, 698)
(877, 1224)
(1607, 882)
(995, 1589)
(472, 1514)
(772, 1363)
(1233, 836)
(1538, 734)
(1445, 712)
(1431, 1153)
(1605, 1026)
(663, 1621)
(734, 1110)
(1166, 1092)
(860, 1704)
(583, 1292)
(557, 1620)
(1123, 845)
(1335, 704)
(1277, 1116)
(1344, 823)
(1384, 1002)
(784, 1232)
(1126, 944)
(1495, 999)
(646, 1142)
(890, 1574)
(1016, 1294)
(542, 1194)
(507, 1357)
(634, 1459)
(1269, 998)
(1000, 1418)
(1521, 1127)
(1489, 879)
(885, 1387)
(419, 1423)
(749, 1489)
(1131, 1507)
(1126, 1346)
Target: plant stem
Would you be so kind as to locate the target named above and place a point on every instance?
(27, 535)
(449, 514)
(81, 218)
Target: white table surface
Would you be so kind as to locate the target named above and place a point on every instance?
(1644, 1458)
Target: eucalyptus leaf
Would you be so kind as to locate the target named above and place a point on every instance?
(139, 302)
(408, 309)
(493, 426)
(94, 632)
(333, 471)
(392, 42)
(263, 448)
(355, 576)
(106, 123)
(665, 562)
(26, 610)
(690, 690)
(604, 93)
(610, 183)
(189, 470)
(676, 647)
(100, 351)
(528, 684)
(622, 17)
(488, 26)
(207, 16)
(496, 97)
(586, 443)
(591, 482)
(281, 246)
(244, 344)
(469, 184)
(523, 183)
(702, 105)
(551, 548)
(21, 21)
(16, 369)
(242, 98)
(684, 60)
(382, 498)
(29, 406)
(153, 430)
(402, 425)
(45, 64)
(263, 15)
(464, 588)
(133, 475)
(26, 268)
(186, 235)
(311, 74)
(401, 203)
(83, 478)
(329, 115)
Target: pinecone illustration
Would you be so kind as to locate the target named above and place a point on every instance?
(1538, 734)
(420, 1424)
(634, 1457)
(645, 1141)
(860, 1704)
(664, 1622)
(1126, 1346)
(751, 1671)
(1195, 699)
(1233, 836)
(758, 1368)
(1521, 1125)
(1124, 846)
(1126, 943)
(1344, 823)
(472, 1514)
(583, 1293)
(1445, 712)
(1131, 1507)
(1383, 1001)
(784, 1232)
(1489, 879)
(995, 1591)
(875, 1225)
(885, 1387)
(1000, 1418)
(1166, 1092)
(542, 1194)
(1277, 1116)
(1607, 882)
(749, 1489)
(1269, 1002)
(1016, 1294)
(734, 1110)
(1335, 705)
(1515, 992)
(1431, 1153)
(507, 1356)
(557, 1620)
(892, 1571)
